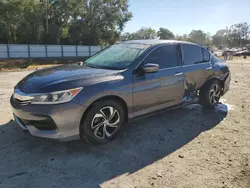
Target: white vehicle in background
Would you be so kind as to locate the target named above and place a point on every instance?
(218, 53)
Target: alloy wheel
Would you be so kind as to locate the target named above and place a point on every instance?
(105, 122)
(214, 94)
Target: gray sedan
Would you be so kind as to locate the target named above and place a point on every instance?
(91, 100)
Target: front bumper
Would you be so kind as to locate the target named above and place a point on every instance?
(59, 121)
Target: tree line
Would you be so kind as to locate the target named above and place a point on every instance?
(62, 21)
(237, 35)
(93, 22)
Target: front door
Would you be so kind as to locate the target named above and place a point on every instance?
(165, 88)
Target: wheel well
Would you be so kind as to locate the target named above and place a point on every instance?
(220, 81)
(110, 97)
(211, 80)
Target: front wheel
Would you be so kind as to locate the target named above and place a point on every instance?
(102, 122)
(210, 94)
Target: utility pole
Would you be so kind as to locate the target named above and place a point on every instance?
(47, 21)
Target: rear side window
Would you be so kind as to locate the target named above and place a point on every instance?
(206, 55)
(165, 56)
(192, 54)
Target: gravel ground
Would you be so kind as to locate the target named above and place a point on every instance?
(187, 147)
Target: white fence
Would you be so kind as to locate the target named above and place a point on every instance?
(12, 51)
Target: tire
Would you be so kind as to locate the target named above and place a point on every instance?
(98, 126)
(210, 94)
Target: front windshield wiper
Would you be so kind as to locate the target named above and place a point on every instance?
(94, 66)
(103, 67)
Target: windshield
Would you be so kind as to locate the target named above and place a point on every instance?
(118, 56)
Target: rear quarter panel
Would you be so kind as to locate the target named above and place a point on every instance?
(220, 71)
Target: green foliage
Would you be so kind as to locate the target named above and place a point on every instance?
(93, 22)
(184, 37)
(236, 35)
(220, 38)
(62, 21)
(165, 34)
(198, 36)
(143, 33)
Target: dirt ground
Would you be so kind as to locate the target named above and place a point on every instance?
(187, 147)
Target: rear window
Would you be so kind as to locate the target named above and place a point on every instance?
(192, 54)
(206, 55)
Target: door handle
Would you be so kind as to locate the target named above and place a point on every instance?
(178, 73)
(209, 68)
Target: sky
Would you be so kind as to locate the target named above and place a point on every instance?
(182, 16)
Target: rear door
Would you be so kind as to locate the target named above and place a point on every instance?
(154, 91)
(196, 67)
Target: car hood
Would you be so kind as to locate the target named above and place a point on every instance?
(63, 77)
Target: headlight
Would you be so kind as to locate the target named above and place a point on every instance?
(56, 97)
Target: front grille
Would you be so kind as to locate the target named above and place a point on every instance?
(20, 102)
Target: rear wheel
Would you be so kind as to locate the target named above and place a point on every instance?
(102, 122)
(210, 94)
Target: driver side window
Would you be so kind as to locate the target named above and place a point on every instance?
(165, 57)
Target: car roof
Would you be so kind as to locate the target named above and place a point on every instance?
(156, 42)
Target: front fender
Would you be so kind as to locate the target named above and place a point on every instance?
(118, 87)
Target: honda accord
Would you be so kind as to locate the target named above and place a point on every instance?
(91, 100)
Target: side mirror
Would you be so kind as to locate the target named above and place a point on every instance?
(150, 68)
